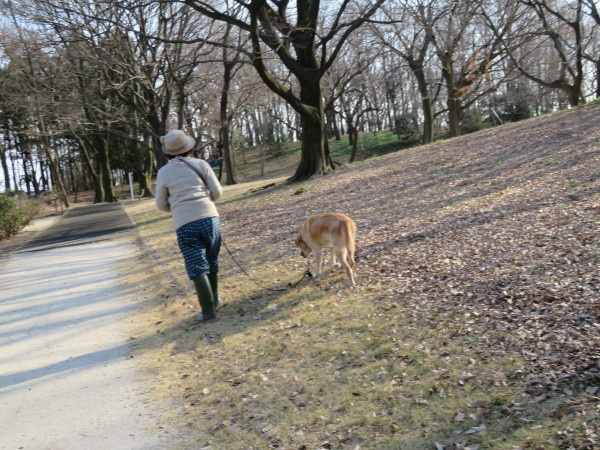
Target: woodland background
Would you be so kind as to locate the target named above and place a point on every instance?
(475, 320)
(87, 88)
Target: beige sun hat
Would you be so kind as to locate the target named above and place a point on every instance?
(176, 142)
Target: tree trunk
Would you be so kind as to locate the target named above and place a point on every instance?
(453, 100)
(180, 105)
(157, 121)
(16, 183)
(34, 180)
(141, 155)
(44, 176)
(26, 176)
(575, 95)
(104, 161)
(57, 178)
(225, 121)
(250, 133)
(149, 161)
(598, 78)
(139, 171)
(417, 69)
(54, 165)
(332, 128)
(315, 158)
(93, 173)
(353, 135)
(259, 136)
(336, 130)
(5, 169)
(428, 120)
(98, 192)
(72, 170)
(454, 112)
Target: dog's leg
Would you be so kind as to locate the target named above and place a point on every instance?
(342, 255)
(318, 261)
(334, 262)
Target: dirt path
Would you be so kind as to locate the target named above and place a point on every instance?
(67, 379)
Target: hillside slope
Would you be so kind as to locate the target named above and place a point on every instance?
(500, 226)
(477, 259)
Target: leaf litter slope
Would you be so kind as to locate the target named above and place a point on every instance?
(499, 229)
(489, 241)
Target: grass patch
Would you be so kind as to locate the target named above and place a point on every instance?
(371, 144)
(299, 191)
(252, 167)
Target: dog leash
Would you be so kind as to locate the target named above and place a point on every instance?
(290, 285)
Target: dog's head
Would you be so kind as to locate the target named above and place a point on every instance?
(304, 248)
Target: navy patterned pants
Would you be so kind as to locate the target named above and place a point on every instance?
(200, 243)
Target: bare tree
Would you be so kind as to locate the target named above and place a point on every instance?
(295, 34)
(230, 65)
(592, 40)
(405, 29)
(126, 82)
(33, 63)
(5, 171)
(470, 57)
(555, 26)
(347, 87)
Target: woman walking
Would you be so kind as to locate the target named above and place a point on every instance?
(187, 187)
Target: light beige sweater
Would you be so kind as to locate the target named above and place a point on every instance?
(181, 191)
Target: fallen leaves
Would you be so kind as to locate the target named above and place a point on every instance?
(527, 294)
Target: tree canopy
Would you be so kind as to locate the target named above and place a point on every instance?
(87, 89)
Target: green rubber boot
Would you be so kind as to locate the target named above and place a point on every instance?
(205, 297)
(214, 284)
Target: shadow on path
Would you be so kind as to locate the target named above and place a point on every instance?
(81, 226)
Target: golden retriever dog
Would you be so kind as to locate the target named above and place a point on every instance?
(332, 230)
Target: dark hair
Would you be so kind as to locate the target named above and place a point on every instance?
(175, 156)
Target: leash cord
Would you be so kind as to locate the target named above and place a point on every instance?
(290, 285)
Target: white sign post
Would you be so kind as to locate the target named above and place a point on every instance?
(131, 185)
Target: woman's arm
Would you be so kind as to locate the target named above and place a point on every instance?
(213, 185)
(162, 195)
